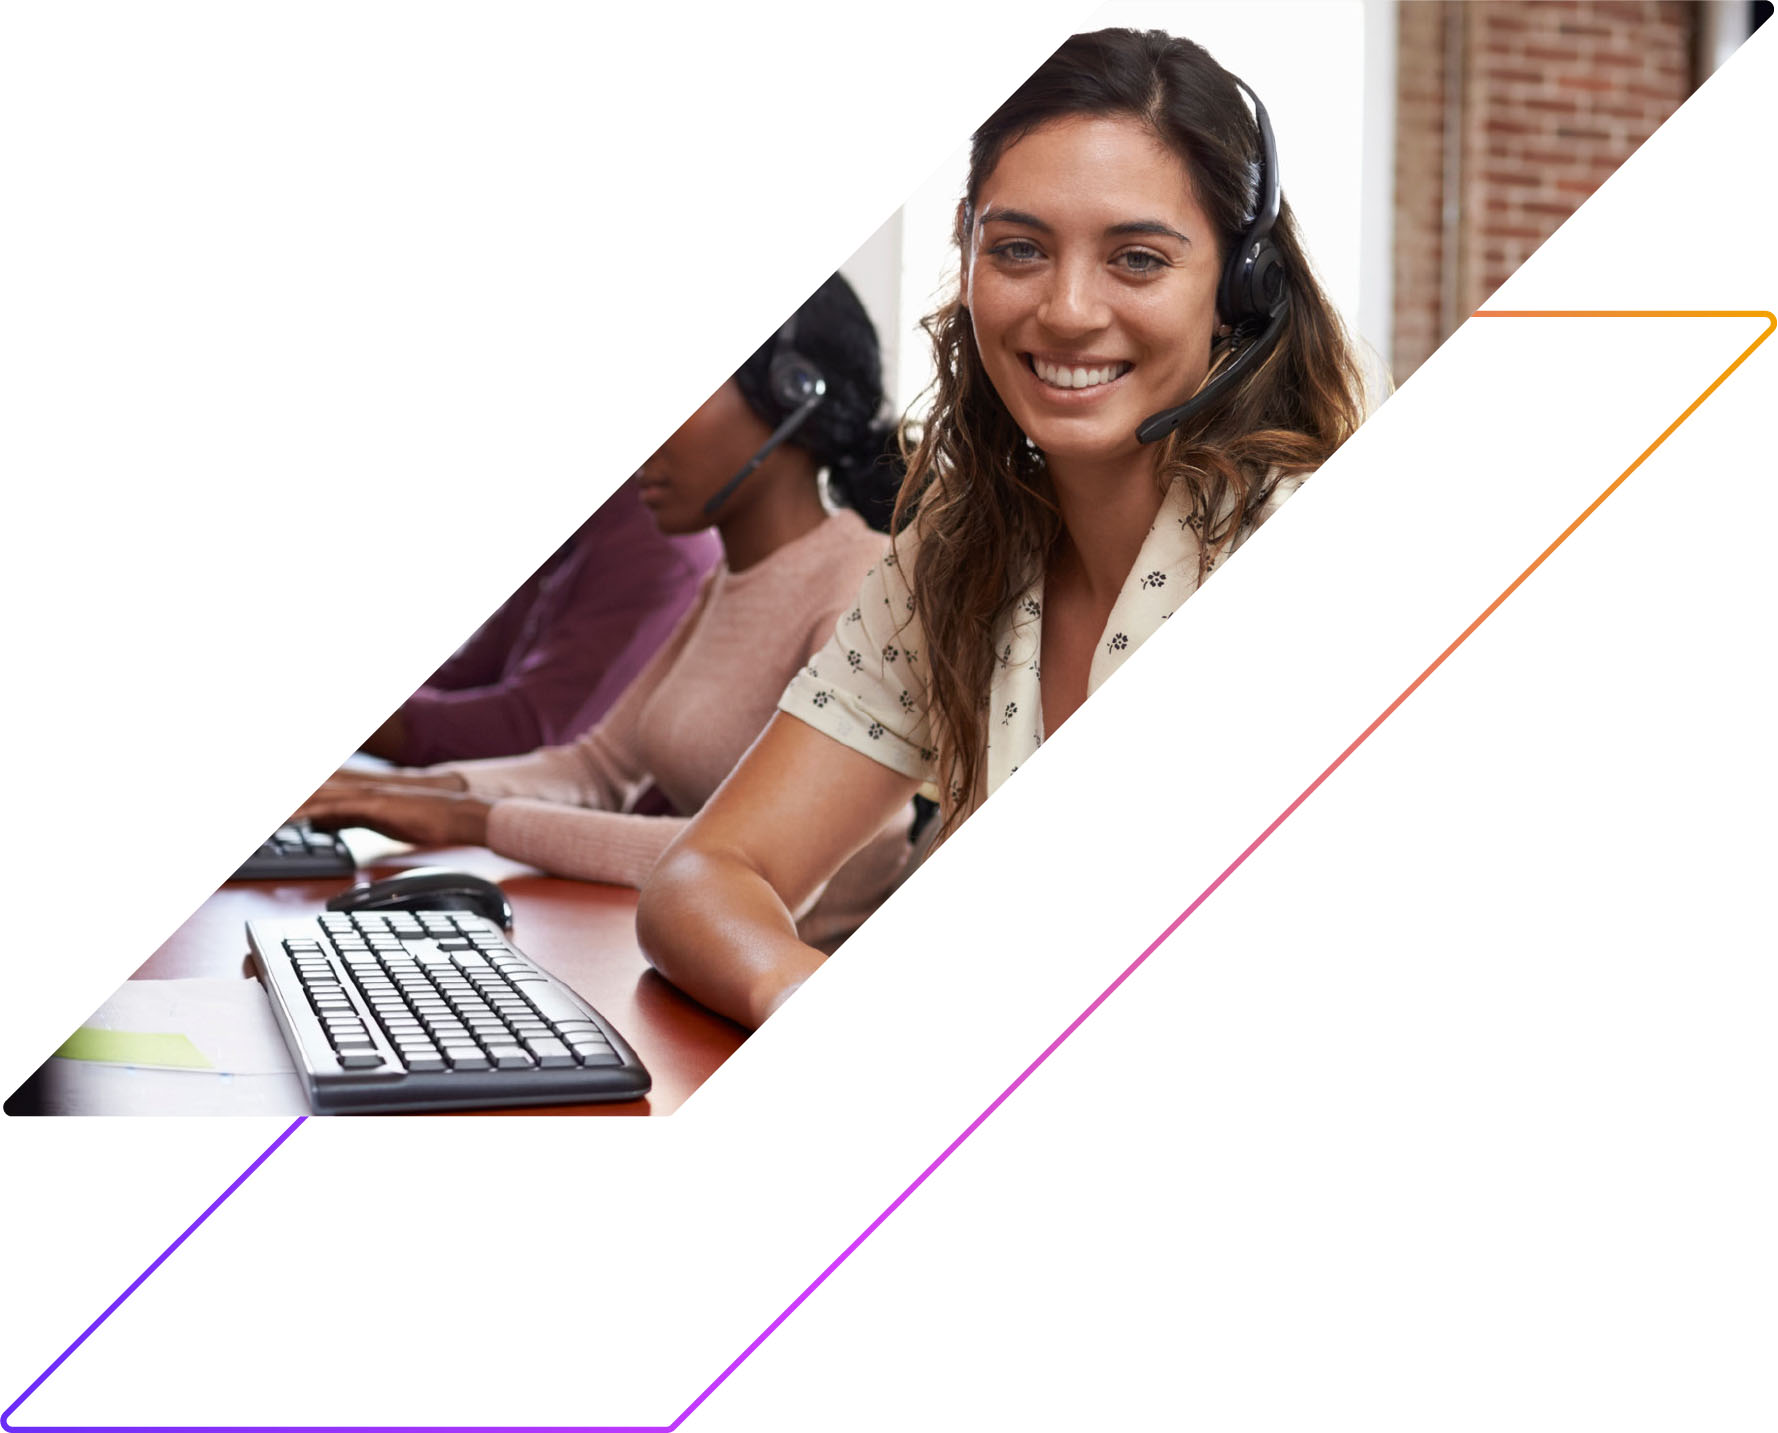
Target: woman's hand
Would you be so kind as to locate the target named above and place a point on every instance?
(348, 776)
(351, 782)
(424, 815)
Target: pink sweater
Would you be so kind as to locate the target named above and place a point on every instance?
(685, 722)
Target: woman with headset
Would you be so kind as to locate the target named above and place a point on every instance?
(1137, 368)
(748, 462)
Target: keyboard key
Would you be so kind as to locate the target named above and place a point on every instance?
(508, 1057)
(360, 1059)
(554, 1004)
(550, 1054)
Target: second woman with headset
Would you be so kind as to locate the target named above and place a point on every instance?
(747, 462)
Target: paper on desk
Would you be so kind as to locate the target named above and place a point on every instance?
(176, 1047)
(225, 1026)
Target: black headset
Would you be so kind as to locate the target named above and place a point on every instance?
(1253, 296)
(797, 387)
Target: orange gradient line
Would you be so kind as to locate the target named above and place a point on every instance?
(1618, 482)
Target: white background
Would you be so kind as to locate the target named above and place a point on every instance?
(1451, 1108)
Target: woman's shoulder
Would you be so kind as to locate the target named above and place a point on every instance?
(1265, 498)
(857, 537)
(847, 554)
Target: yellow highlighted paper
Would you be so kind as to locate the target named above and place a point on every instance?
(129, 1047)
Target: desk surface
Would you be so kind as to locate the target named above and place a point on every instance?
(582, 933)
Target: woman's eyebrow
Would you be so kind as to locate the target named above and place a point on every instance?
(1148, 226)
(1027, 220)
(1016, 216)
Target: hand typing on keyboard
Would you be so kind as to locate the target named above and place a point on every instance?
(422, 815)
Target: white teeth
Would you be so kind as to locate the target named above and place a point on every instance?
(1059, 377)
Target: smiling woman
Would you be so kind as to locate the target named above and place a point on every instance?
(1138, 367)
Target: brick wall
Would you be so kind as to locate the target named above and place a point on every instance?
(1555, 95)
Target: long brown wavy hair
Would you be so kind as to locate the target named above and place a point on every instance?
(979, 497)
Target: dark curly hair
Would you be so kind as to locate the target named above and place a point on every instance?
(846, 433)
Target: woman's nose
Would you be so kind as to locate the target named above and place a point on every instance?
(1073, 303)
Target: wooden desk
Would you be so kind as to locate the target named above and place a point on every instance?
(582, 933)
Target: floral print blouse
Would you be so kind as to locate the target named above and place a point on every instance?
(867, 687)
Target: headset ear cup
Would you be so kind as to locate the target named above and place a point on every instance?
(1253, 283)
(1266, 279)
(794, 380)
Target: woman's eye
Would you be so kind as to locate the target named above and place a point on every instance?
(1019, 251)
(1142, 261)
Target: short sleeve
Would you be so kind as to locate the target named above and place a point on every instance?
(866, 688)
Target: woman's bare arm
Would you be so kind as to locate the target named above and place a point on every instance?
(717, 915)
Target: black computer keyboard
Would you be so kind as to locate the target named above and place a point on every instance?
(432, 1010)
(297, 852)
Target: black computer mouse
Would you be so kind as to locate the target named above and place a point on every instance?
(429, 888)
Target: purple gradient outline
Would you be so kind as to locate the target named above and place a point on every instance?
(796, 1303)
(950, 1149)
(167, 1253)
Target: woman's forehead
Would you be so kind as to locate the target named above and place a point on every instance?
(1093, 170)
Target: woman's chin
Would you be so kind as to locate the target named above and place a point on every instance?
(1104, 438)
(671, 518)
(672, 524)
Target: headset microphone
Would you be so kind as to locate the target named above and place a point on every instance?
(797, 385)
(1254, 290)
(1162, 423)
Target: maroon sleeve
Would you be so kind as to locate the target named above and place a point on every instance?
(481, 661)
(588, 631)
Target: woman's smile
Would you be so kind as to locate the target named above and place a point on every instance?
(1076, 373)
